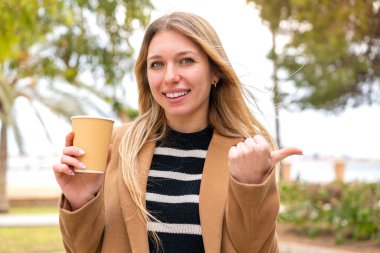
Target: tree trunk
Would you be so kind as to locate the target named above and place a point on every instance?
(276, 93)
(4, 203)
(276, 99)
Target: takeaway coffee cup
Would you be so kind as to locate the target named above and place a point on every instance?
(93, 135)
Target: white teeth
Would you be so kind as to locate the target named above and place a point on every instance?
(176, 94)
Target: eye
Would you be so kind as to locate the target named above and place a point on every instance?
(186, 61)
(156, 64)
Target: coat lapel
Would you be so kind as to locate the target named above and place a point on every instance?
(213, 192)
(136, 228)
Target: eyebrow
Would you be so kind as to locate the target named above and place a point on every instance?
(156, 56)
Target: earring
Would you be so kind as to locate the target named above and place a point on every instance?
(214, 83)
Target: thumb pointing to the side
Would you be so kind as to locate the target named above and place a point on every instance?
(283, 153)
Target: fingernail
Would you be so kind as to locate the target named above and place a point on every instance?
(81, 165)
(80, 151)
(71, 172)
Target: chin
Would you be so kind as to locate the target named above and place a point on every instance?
(176, 113)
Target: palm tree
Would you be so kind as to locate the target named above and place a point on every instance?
(59, 101)
(64, 54)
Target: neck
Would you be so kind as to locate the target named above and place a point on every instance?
(184, 126)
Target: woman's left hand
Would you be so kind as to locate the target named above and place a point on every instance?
(251, 160)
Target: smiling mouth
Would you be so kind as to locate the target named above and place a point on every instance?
(176, 94)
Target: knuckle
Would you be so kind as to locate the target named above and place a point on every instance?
(240, 144)
(65, 159)
(246, 152)
(261, 148)
(57, 168)
(248, 140)
(234, 156)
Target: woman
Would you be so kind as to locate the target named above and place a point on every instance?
(193, 173)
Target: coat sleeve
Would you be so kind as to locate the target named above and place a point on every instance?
(251, 215)
(82, 230)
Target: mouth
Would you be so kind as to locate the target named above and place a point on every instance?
(176, 94)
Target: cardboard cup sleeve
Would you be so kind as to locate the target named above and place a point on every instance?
(93, 135)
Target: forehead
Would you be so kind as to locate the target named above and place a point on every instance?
(167, 41)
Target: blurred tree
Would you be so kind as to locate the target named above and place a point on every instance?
(332, 54)
(339, 44)
(63, 54)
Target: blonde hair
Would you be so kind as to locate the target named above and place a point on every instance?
(229, 115)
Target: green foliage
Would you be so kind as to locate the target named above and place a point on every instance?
(340, 48)
(56, 44)
(272, 12)
(22, 23)
(350, 211)
(332, 55)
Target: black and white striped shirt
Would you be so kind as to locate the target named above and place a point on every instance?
(173, 190)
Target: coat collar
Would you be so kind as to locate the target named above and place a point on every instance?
(214, 185)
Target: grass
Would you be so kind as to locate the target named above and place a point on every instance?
(31, 239)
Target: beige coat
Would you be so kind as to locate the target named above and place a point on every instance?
(234, 217)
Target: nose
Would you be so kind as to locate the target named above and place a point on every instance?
(172, 74)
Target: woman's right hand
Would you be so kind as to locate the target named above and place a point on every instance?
(78, 188)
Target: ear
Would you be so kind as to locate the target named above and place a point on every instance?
(214, 77)
(215, 73)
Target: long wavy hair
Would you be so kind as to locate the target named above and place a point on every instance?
(228, 114)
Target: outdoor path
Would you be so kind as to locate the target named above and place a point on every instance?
(13, 220)
(28, 220)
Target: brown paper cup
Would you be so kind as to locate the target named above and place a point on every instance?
(93, 135)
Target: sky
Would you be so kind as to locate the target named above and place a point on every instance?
(353, 133)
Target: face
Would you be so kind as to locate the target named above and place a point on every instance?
(180, 77)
